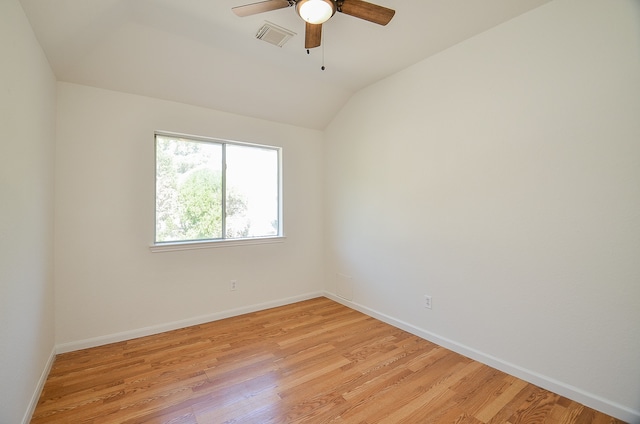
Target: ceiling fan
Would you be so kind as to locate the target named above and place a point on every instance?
(316, 12)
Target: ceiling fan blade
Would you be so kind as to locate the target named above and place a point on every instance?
(368, 11)
(312, 35)
(263, 6)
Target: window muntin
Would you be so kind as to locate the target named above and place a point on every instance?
(210, 190)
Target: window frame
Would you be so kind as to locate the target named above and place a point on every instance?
(163, 246)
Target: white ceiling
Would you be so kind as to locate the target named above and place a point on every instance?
(198, 52)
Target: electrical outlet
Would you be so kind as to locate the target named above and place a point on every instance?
(427, 301)
(233, 285)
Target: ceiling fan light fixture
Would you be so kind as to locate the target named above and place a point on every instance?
(315, 11)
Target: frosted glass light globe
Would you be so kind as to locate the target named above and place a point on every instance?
(315, 11)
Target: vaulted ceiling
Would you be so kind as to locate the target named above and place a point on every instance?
(199, 52)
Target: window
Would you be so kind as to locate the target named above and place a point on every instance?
(212, 190)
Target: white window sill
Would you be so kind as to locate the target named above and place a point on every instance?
(208, 244)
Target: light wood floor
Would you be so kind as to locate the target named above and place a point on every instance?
(313, 362)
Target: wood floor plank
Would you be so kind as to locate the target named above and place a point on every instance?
(310, 362)
(506, 395)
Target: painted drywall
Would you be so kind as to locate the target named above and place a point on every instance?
(108, 282)
(27, 131)
(502, 178)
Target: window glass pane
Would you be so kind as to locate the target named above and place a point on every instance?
(188, 190)
(252, 191)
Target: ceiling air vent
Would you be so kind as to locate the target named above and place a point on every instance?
(273, 34)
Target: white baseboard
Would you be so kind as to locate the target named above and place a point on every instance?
(36, 394)
(155, 329)
(589, 399)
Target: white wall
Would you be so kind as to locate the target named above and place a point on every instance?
(109, 285)
(27, 131)
(502, 177)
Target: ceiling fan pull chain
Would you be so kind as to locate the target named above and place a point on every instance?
(322, 50)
